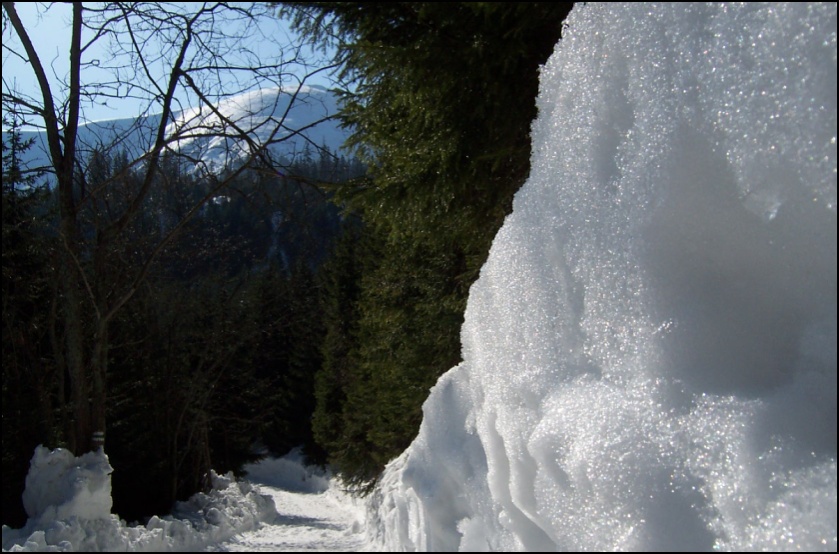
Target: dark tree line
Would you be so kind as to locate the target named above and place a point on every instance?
(29, 416)
(163, 56)
(215, 354)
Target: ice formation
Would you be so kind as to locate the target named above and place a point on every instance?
(650, 351)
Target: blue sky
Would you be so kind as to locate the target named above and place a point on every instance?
(49, 27)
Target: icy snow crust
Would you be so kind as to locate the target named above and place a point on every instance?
(68, 501)
(650, 351)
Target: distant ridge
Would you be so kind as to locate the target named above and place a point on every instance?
(293, 122)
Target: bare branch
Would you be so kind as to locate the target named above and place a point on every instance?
(173, 58)
(48, 111)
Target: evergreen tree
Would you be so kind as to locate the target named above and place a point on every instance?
(439, 99)
(216, 352)
(341, 278)
(31, 411)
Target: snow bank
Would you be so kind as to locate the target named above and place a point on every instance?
(290, 473)
(650, 351)
(68, 502)
(60, 486)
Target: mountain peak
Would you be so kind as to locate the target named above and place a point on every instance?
(284, 119)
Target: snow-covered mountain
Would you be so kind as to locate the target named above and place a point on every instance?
(291, 121)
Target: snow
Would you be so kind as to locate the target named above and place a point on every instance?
(650, 351)
(60, 486)
(289, 473)
(314, 513)
(290, 120)
(283, 505)
(68, 502)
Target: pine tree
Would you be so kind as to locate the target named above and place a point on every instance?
(341, 289)
(31, 381)
(439, 98)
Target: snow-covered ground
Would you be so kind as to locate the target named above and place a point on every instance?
(321, 522)
(281, 506)
(314, 514)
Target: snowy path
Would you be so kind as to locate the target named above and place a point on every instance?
(307, 522)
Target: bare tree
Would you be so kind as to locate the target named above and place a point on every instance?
(169, 56)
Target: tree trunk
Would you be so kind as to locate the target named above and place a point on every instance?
(79, 439)
(99, 370)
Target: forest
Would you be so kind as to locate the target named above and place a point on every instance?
(328, 296)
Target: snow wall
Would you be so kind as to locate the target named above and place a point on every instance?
(650, 350)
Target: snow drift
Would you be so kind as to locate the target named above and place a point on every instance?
(290, 473)
(68, 500)
(650, 351)
(60, 486)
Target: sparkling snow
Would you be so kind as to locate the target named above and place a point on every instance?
(650, 351)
